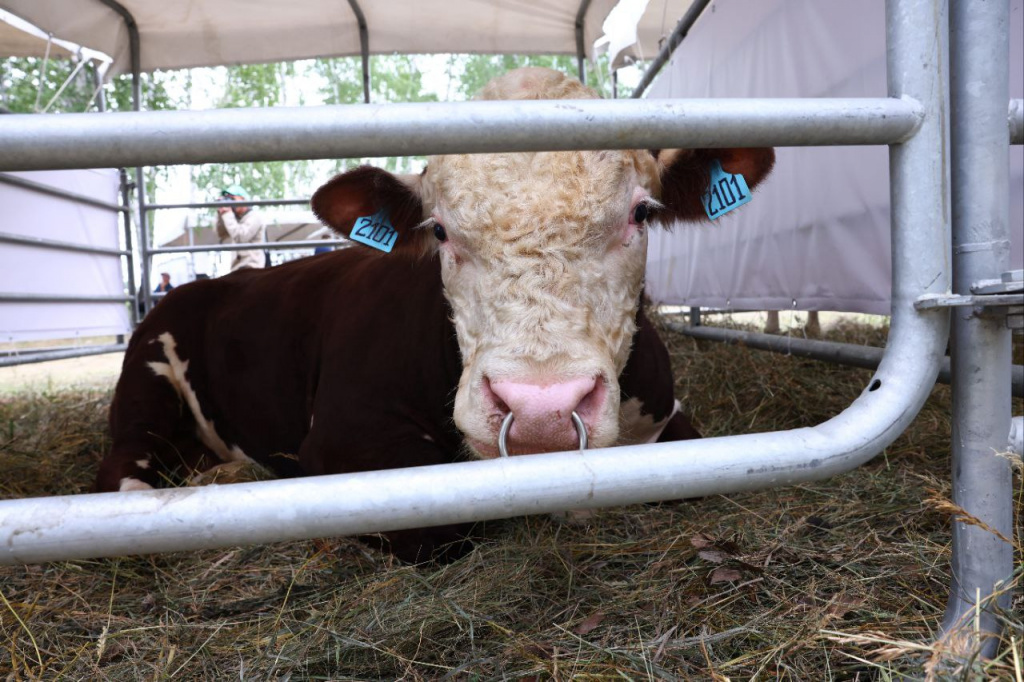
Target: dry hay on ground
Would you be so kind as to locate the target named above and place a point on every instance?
(843, 579)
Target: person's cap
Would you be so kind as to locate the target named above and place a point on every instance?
(165, 274)
(234, 191)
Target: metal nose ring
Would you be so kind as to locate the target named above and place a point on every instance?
(506, 425)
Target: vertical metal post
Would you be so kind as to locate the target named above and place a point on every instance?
(97, 83)
(140, 180)
(364, 46)
(981, 353)
(665, 53)
(581, 48)
(916, 63)
(695, 316)
(129, 257)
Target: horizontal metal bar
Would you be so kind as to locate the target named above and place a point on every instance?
(1016, 120)
(64, 354)
(229, 204)
(56, 191)
(930, 301)
(850, 354)
(59, 245)
(270, 246)
(409, 129)
(60, 298)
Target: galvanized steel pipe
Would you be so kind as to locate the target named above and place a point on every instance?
(851, 354)
(1016, 121)
(674, 39)
(32, 142)
(63, 354)
(982, 563)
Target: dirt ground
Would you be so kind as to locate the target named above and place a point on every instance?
(57, 375)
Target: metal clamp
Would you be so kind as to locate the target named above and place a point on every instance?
(1006, 293)
(506, 426)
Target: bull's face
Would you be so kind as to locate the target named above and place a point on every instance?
(542, 258)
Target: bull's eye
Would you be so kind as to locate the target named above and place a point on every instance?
(439, 232)
(640, 213)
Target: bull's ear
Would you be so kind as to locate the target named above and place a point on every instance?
(686, 173)
(366, 192)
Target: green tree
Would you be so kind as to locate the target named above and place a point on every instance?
(29, 85)
(255, 85)
(393, 78)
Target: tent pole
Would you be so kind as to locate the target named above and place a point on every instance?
(140, 180)
(364, 47)
(681, 29)
(581, 49)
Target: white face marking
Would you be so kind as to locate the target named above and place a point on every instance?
(543, 263)
(142, 463)
(128, 484)
(543, 287)
(174, 371)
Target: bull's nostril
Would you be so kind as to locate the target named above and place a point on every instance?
(493, 399)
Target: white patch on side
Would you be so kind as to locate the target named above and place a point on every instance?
(174, 371)
(142, 463)
(641, 428)
(427, 438)
(128, 483)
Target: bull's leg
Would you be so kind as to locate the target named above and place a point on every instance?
(153, 432)
(325, 452)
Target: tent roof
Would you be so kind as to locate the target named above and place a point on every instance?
(217, 32)
(16, 41)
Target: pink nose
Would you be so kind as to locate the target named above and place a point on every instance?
(542, 412)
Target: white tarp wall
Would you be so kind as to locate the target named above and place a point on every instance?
(816, 235)
(35, 270)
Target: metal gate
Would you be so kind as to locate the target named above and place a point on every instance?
(934, 269)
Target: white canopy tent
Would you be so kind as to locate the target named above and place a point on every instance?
(20, 39)
(175, 35)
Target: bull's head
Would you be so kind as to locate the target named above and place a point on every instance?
(542, 256)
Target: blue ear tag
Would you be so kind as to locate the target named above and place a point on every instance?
(376, 231)
(725, 192)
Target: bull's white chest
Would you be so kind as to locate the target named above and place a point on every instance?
(635, 427)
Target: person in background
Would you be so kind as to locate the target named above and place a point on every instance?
(165, 284)
(323, 249)
(240, 225)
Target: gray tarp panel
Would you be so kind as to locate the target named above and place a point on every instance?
(34, 270)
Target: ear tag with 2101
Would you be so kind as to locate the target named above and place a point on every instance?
(726, 192)
(376, 231)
